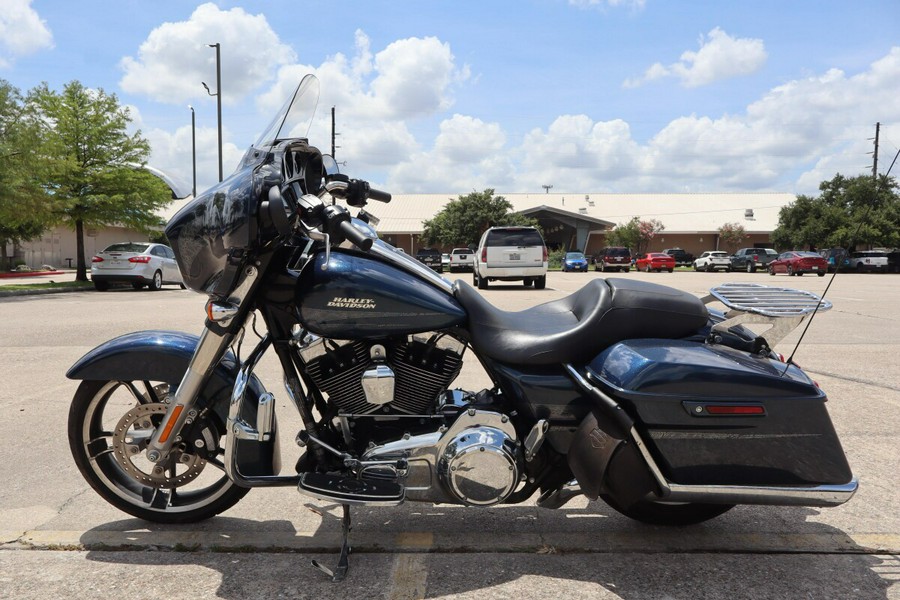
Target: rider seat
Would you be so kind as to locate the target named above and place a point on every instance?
(576, 328)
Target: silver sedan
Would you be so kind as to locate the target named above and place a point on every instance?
(137, 263)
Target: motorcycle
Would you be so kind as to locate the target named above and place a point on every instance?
(668, 409)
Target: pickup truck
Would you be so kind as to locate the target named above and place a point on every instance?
(751, 259)
(430, 257)
(712, 260)
(461, 259)
(682, 258)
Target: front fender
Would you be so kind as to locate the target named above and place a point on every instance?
(160, 356)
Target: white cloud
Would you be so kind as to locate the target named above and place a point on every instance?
(468, 153)
(175, 57)
(376, 94)
(172, 154)
(22, 31)
(720, 57)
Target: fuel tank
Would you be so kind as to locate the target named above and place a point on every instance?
(359, 296)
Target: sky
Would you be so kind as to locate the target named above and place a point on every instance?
(587, 96)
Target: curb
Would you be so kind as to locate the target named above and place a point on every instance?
(16, 293)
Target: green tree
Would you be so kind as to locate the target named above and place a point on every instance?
(732, 235)
(852, 211)
(24, 204)
(635, 234)
(98, 181)
(463, 220)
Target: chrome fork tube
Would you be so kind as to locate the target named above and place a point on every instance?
(182, 411)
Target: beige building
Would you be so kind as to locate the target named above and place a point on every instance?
(580, 221)
(570, 221)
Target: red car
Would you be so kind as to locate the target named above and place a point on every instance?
(798, 263)
(655, 261)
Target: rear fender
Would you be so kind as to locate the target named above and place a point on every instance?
(165, 356)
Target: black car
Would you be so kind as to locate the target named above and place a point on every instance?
(682, 258)
(430, 257)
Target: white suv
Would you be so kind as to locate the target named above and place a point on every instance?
(511, 254)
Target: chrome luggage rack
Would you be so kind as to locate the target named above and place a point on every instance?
(784, 309)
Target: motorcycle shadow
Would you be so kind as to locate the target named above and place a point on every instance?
(425, 551)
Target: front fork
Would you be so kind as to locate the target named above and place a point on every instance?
(214, 342)
(182, 410)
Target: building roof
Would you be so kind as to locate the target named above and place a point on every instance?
(680, 213)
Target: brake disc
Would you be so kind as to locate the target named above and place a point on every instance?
(130, 440)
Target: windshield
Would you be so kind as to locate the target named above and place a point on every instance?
(295, 116)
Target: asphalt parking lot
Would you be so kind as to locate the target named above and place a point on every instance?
(60, 539)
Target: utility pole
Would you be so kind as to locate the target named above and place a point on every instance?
(333, 134)
(875, 154)
(218, 96)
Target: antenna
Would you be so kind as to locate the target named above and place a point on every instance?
(837, 265)
(547, 188)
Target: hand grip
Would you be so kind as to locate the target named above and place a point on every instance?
(357, 237)
(379, 195)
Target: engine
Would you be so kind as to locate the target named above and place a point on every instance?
(394, 405)
(398, 377)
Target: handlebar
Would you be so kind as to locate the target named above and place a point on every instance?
(355, 191)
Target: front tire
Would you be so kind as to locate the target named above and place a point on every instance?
(110, 425)
(669, 514)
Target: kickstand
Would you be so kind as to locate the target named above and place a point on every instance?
(340, 572)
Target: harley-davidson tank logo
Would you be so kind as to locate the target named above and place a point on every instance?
(354, 303)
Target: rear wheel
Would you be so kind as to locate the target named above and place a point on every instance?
(156, 283)
(482, 283)
(750, 268)
(527, 281)
(110, 425)
(669, 514)
(137, 285)
(540, 282)
(101, 286)
(821, 273)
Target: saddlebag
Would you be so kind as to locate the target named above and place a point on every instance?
(712, 415)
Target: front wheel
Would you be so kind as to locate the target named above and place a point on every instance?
(110, 426)
(771, 270)
(790, 271)
(674, 514)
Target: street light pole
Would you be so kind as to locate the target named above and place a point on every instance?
(194, 149)
(218, 96)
